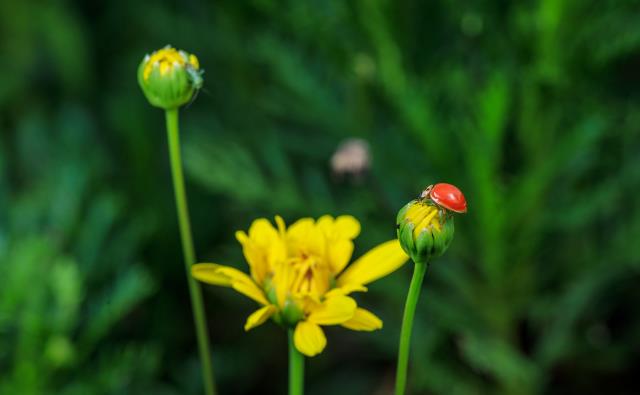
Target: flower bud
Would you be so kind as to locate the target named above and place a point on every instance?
(425, 230)
(169, 78)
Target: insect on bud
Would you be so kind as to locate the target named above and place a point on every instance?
(169, 77)
(425, 225)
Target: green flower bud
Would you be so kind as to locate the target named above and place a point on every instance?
(169, 78)
(425, 230)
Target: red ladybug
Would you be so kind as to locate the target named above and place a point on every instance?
(446, 196)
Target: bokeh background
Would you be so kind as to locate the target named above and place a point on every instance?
(531, 107)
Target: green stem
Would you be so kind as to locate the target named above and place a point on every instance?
(296, 368)
(195, 292)
(407, 326)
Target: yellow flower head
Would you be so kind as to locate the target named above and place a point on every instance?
(169, 77)
(300, 276)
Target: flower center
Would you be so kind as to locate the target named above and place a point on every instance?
(168, 58)
(311, 276)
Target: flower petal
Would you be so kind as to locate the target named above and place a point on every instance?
(343, 227)
(333, 311)
(233, 274)
(244, 284)
(259, 316)
(378, 262)
(347, 226)
(309, 338)
(268, 238)
(304, 237)
(251, 290)
(261, 231)
(254, 256)
(262, 247)
(208, 273)
(363, 320)
(227, 276)
(345, 290)
(282, 227)
(326, 224)
(282, 279)
(340, 252)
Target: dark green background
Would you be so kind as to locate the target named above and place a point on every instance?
(531, 107)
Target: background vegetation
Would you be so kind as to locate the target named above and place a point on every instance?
(531, 107)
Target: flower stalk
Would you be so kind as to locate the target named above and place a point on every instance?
(419, 270)
(195, 292)
(296, 368)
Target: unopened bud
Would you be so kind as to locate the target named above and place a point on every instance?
(425, 225)
(169, 78)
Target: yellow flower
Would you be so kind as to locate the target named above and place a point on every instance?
(300, 276)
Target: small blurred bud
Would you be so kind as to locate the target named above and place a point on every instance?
(169, 78)
(351, 158)
(424, 230)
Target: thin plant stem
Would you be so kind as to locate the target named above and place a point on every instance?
(296, 368)
(188, 250)
(407, 326)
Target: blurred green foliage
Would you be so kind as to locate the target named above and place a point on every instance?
(532, 108)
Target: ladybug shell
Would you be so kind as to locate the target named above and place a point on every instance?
(449, 197)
